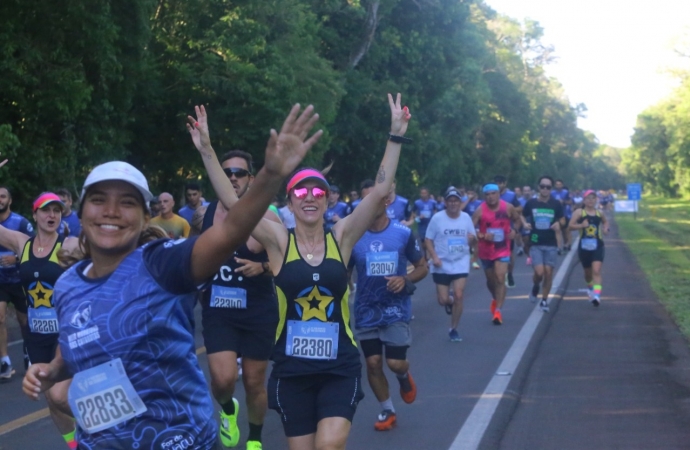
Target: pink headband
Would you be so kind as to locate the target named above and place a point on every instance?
(46, 198)
(305, 174)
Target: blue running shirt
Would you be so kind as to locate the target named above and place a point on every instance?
(399, 210)
(15, 222)
(143, 314)
(375, 305)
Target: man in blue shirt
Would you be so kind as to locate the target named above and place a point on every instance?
(383, 307)
(511, 198)
(194, 197)
(10, 287)
(336, 209)
(68, 215)
(424, 207)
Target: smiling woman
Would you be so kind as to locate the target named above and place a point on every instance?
(126, 312)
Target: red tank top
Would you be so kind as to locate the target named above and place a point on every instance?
(497, 223)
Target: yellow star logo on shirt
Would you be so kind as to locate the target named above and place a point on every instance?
(41, 296)
(591, 230)
(314, 305)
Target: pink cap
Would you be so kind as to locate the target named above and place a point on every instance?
(306, 174)
(45, 199)
(589, 192)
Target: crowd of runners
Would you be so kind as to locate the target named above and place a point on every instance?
(105, 295)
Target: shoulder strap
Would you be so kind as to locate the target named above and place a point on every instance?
(26, 252)
(208, 216)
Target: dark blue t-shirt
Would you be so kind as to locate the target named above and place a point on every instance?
(340, 208)
(424, 211)
(74, 224)
(399, 210)
(141, 313)
(375, 305)
(472, 206)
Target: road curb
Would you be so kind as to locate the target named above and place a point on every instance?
(513, 395)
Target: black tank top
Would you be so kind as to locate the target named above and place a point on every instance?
(38, 277)
(259, 291)
(313, 305)
(593, 231)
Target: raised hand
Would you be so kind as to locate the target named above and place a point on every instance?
(285, 150)
(400, 116)
(198, 129)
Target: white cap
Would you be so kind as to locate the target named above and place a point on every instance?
(118, 170)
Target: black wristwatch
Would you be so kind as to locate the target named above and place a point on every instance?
(399, 139)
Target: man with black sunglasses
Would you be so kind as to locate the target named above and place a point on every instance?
(542, 216)
(244, 328)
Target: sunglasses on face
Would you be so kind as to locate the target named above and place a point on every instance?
(237, 171)
(544, 186)
(316, 192)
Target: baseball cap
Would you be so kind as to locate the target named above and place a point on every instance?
(119, 171)
(588, 192)
(453, 193)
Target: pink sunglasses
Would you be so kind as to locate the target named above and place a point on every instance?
(316, 192)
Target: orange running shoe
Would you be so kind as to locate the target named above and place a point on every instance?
(408, 389)
(386, 421)
(493, 306)
(498, 320)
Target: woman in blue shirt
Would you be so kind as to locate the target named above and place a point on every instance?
(126, 311)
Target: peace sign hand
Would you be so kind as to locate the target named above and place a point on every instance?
(400, 116)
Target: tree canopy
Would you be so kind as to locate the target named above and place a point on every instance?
(85, 82)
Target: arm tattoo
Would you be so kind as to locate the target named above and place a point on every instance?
(381, 176)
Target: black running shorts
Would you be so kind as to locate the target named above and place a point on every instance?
(302, 401)
(13, 293)
(253, 341)
(588, 257)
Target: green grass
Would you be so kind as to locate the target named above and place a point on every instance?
(660, 240)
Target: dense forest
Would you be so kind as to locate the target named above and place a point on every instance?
(83, 82)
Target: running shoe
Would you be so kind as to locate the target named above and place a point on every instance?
(386, 421)
(498, 319)
(408, 389)
(520, 251)
(510, 281)
(6, 371)
(528, 261)
(596, 300)
(590, 294)
(454, 336)
(254, 445)
(493, 305)
(449, 309)
(560, 252)
(544, 306)
(532, 298)
(475, 265)
(229, 431)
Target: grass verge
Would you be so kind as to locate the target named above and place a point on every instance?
(660, 240)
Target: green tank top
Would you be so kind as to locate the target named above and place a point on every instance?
(314, 316)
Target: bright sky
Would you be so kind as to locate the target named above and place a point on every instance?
(613, 55)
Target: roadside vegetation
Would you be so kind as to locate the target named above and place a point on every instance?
(660, 241)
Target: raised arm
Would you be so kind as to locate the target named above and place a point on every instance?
(351, 228)
(12, 240)
(284, 152)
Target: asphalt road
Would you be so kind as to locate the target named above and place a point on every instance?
(617, 376)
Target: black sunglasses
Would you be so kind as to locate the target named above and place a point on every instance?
(237, 171)
(545, 186)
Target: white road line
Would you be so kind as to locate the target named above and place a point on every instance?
(472, 431)
(13, 343)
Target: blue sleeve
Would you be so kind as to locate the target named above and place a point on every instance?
(26, 227)
(515, 202)
(413, 252)
(169, 263)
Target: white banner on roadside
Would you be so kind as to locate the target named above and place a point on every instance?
(626, 206)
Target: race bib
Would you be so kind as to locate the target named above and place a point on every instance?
(43, 320)
(228, 297)
(542, 223)
(589, 244)
(103, 396)
(499, 234)
(425, 214)
(457, 245)
(382, 264)
(312, 339)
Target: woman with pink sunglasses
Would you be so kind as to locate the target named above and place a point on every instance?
(315, 384)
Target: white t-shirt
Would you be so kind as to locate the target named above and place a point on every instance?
(451, 239)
